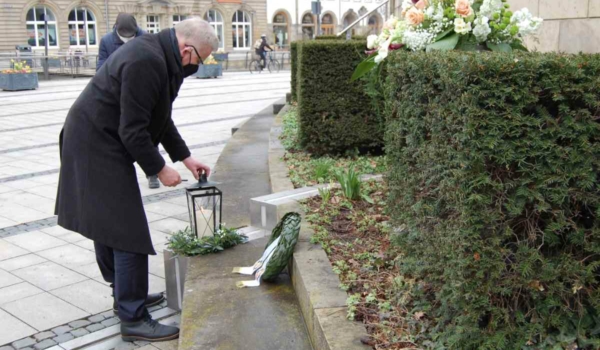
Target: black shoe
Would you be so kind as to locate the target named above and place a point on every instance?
(151, 300)
(147, 330)
(153, 182)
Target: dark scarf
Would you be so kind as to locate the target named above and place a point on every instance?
(170, 46)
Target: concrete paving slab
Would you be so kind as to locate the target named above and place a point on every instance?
(217, 314)
(44, 311)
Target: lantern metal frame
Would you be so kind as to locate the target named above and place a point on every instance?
(206, 189)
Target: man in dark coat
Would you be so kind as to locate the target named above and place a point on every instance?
(124, 30)
(120, 118)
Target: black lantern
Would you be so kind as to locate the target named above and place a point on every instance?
(204, 205)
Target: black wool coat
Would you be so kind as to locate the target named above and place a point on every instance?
(120, 118)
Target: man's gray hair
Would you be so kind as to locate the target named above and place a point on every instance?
(197, 32)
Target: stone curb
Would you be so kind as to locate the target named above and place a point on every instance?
(322, 302)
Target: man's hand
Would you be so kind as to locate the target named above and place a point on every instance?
(196, 167)
(169, 176)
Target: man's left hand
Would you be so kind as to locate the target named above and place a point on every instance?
(196, 167)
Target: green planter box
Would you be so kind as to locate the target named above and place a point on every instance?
(220, 56)
(20, 81)
(209, 71)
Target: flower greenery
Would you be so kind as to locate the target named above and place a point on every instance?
(185, 242)
(451, 24)
(18, 68)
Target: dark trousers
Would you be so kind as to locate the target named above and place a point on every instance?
(128, 273)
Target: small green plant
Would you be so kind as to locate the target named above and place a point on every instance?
(322, 168)
(325, 193)
(352, 301)
(289, 134)
(351, 185)
(185, 242)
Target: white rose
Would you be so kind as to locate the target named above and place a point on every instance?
(482, 29)
(372, 41)
(526, 22)
(461, 27)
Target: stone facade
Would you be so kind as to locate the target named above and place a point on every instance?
(290, 20)
(17, 22)
(569, 26)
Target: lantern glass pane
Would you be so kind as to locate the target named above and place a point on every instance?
(204, 207)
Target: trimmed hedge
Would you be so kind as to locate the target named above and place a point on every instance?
(335, 114)
(494, 162)
(343, 37)
(294, 67)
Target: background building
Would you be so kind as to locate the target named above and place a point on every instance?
(79, 24)
(291, 20)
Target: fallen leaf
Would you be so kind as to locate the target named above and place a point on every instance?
(419, 315)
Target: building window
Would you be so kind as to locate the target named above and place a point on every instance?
(153, 24)
(308, 26)
(374, 24)
(178, 18)
(280, 30)
(348, 20)
(78, 33)
(327, 24)
(36, 30)
(241, 30)
(216, 21)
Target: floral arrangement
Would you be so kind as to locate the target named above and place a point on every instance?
(18, 68)
(465, 25)
(210, 60)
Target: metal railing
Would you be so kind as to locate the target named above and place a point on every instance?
(74, 64)
(351, 25)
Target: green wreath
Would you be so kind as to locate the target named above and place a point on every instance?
(289, 230)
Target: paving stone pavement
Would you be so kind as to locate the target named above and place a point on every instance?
(48, 275)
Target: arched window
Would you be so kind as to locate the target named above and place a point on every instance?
(216, 21)
(78, 33)
(374, 24)
(241, 30)
(348, 20)
(328, 24)
(178, 18)
(35, 27)
(308, 26)
(280, 29)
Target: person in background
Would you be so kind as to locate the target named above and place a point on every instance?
(260, 47)
(124, 30)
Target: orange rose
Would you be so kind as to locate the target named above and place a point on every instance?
(414, 16)
(422, 4)
(463, 8)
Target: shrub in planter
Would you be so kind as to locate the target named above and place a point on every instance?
(182, 246)
(211, 68)
(19, 77)
(335, 114)
(494, 162)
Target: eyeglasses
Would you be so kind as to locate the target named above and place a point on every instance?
(201, 61)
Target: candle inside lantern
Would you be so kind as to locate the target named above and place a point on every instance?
(204, 222)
